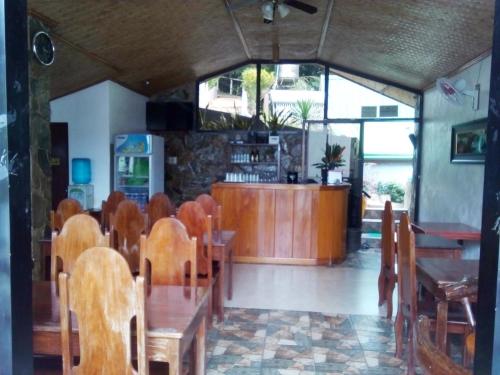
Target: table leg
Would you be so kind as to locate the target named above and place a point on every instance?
(230, 281)
(442, 325)
(175, 364)
(220, 302)
(200, 347)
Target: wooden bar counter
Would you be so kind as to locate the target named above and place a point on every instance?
(285, 223)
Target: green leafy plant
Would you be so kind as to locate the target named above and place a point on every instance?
(276, 120)
(332, 157)
(226, 121)
(302, 110)
(394, 189)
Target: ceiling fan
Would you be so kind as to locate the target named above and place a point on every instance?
(269, 8)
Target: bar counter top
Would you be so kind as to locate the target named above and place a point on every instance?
(281, 186)
(285, 223)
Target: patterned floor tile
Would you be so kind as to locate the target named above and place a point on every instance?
(248, 316)
(373, 324)
(335, 339)
(242, 331)
(296, 318)
(335, 322)
(287, 357)
(288, 335)
(376, 341)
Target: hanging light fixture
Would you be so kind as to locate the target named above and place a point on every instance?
(283, 10)
(268, 11)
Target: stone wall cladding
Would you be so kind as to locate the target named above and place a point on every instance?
(203, 157)
(40, 146)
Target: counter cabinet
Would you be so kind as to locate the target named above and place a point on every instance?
(284, 223)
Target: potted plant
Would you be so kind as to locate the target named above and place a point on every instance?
(332, 158)
(275, 120)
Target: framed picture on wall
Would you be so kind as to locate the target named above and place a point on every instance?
(468, 142)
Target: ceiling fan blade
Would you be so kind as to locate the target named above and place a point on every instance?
(302, 6)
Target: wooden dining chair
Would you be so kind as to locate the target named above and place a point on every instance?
(103, 296)
(199, 225)
(408, 307)
(430, 358)
(79, 233)
(159, 206)
(127, 225)
(387, 275)
(109, 207)
(211, 207)
(168, 255)
(65, 209)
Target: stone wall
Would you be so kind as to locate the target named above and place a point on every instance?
(203, 157)
(40, 145)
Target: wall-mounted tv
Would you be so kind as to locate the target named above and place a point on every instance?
(170, 116)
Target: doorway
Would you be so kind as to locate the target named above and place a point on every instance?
(59, 161)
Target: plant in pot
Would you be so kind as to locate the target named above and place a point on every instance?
(332, 158)
(276, 120)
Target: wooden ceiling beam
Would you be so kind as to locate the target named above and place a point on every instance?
(237, 27)
(324, 30)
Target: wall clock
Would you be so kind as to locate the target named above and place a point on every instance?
(43, 48)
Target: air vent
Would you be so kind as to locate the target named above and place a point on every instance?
(368, 111)
(388, 111)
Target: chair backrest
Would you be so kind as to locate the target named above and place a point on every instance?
(78, 233)
(103, 295)
(65, 209)
(430, 358)
(159, 206)
(198, 224)
(211, 207)
(127, 225)
(168, 250)
(109, 206)
(407, 278)
(387, 243)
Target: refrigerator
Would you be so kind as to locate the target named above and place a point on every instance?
(139, 166)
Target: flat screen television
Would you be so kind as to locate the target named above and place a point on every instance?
(170, 116)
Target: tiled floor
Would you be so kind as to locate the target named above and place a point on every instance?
(348, 288)
(305, 320)
(268, 342)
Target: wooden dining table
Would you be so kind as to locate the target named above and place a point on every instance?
(430, 246)
(452, 231)
(176, 322)
(437, 275)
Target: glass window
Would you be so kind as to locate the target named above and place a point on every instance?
(292, 92)
(348, 99)
(227, 101)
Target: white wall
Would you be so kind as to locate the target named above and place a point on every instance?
(127, 111)
(452, 192)
(87, 115)
(94, 115)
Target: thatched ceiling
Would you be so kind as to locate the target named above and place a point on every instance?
(172, 42)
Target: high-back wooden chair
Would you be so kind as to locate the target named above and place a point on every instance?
(407, 294)
(199, 225)
(109, 207)
(407, 289)
(387, 275)
(127, 225)
(159, 206)
(430, 358)
(211, 207)
(104, 297)
(65, 209)
(167, 252)
(79, 233)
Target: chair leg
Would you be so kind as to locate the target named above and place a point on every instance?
(398, 332)
(381, 287)
(411, 354)
(389, 290)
